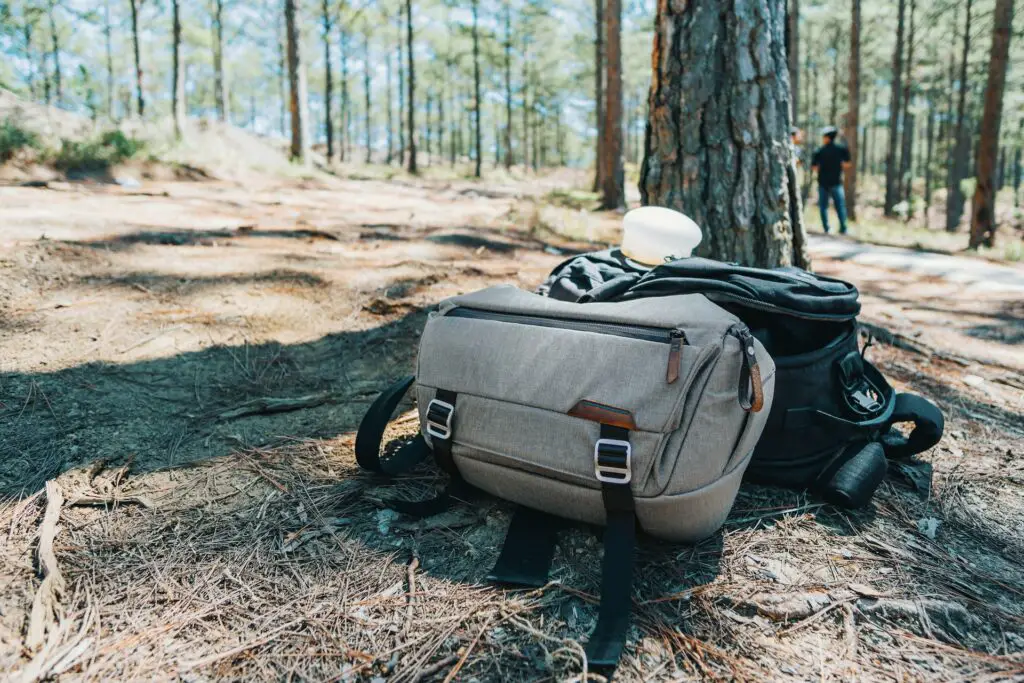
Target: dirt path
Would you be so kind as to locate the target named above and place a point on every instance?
(189, 361)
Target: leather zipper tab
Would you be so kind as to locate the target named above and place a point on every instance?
(676, 340)
(752, 397)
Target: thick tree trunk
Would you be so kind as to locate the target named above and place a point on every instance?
(55, 52)
(853, 114)
(961, 143)
(509, 158)
(599, 74)
(983, 218)
(930, 133)
(178, 87)
(892, 192)
(367, 92)
(476, 87)
(612, 176)
(220, 77)
(718, 124)
(297, 104)
(412, 88)
(329, 80)
(140, 101)
(793, 57)
(908, 127)
(107, 29)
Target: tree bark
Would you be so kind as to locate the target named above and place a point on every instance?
(793, 57)
(1001, 170)
(833, 110)
(892, 192)
(390, 106)
(140, 101)
(983, 219)
(718, 125)
(905, 181)
(344, 150)
(220, 78)
(426, 125)
(297, 104)
(526, 107)
(509, 158)
(612, 191)
(853, 114)
(599, 74)
(329, 81)
(55, 52)
(401, 93)
(178, 87)
(110, 59)
(367, 92)
(930, 133)
(476, 87)
(961, 144)
(282, 55)
(412, 89)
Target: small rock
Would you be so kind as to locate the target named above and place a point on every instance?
(128, 182)
(929, 526)
(384, 519)
(552, 251)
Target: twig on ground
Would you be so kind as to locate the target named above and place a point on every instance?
(89, 498)
(469, 649)
(46, 604)
(267, 406)
(435, 668)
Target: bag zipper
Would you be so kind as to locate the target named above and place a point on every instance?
(751, 371)
(675, 338)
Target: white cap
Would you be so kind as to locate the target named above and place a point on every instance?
(654, 234)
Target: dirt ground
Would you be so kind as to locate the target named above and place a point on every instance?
(187, 364)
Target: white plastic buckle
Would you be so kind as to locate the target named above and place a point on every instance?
(440, 430)
(613, 473)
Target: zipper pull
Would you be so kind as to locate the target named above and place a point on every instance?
(677, 338)
(752, 399)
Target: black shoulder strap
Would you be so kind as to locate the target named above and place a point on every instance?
(371, 433)
(928, 426)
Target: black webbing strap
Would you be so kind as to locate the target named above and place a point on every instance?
(528, 550)
(928, 426)
(371, 433)
(609, 637)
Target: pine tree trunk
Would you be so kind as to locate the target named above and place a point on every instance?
(453, 127)
(526, 107)
(833, 110)
(344, 150)
(367, 91)
(509, 158)
(55, 54)
(930, 133)
(983, 218)
(412, 89)
(1018, 170)
(476, 87)
(908, 172)
(853, 114)
(390, 106)
(140, 101)
(599, 74)
(892, 188)
(220, 82)
(1001, 170)
(282, 55)
(329, 81)
(440, 127)
(107, 29)
(178, 87)
(718, 124)
(961, 144)
(297, 105)
(793, 57)
(426, 126)
(907, 118)
(612, 190)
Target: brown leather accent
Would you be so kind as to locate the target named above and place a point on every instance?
(756, 388)
(673, 360)
(598, 412)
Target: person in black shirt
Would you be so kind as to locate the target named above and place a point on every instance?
(829, 161)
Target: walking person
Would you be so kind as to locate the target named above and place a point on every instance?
(829, 161)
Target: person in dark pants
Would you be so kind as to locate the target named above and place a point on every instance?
(829, 161)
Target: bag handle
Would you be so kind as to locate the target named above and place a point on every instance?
(371, 433)
(928, 426)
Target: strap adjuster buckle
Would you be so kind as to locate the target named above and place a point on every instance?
(612, 461)
(439, 419)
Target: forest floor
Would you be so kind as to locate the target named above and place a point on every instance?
(186, 363)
